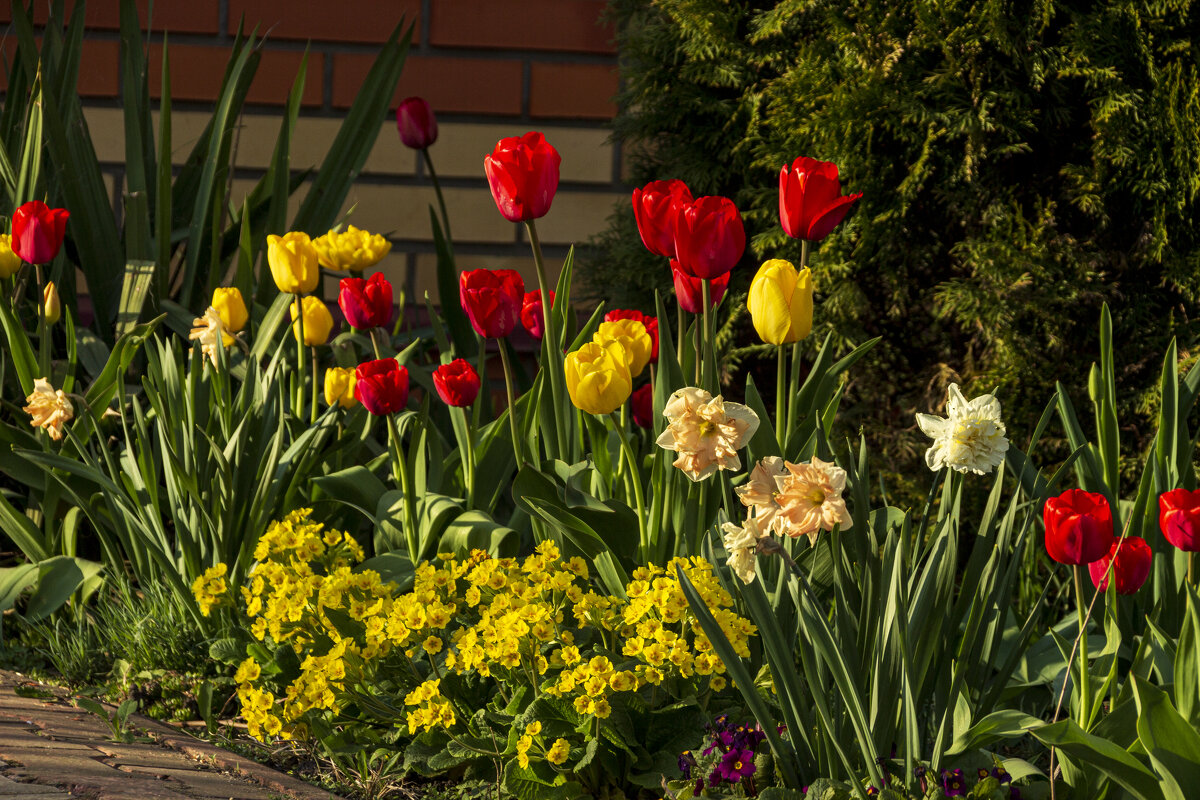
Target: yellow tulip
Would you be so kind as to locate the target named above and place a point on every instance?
(352, 250)
(293, 261)
(339, 386)
(598, 378)
(229, 304)
(10, 262)
(781, 302)
(51, 305)
(318, 322)
(631, 335)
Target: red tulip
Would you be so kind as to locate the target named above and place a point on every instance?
(523, 174)
(689, 291)
(1179, 518)
(366, 303)
(655, 207)
(1131, 567)
(492, 300)
(642, 403)
(417, 125)
(709, 237)
(650, 323)
(1079, 527)
(457, 383)
(531, 313)
(37, 231)
(381, 386)
(811, 203)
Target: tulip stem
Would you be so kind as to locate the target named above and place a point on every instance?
(679, 338)
(400, 471)
(375, 343)
(1191, 569)
(709, 380)
(1085, 687)
(437, 188)
(781, 415)
(635, 473)
(43, 329)
(299, 355)
(518, 451)
(469, 466)
(313, 416)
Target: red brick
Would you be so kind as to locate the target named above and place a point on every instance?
(197, 71)
(467, 85)
(571, 25)
(573, 90)
(346, 21)
(193, 16)
(99, 64)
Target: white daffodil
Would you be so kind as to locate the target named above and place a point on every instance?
(971, 439)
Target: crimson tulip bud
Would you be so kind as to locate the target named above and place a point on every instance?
(366, 303)
(381, 386)
(1079, 527)
(523, 174)
(649, 322)
(38, 231)
(492, 300)
(1130, 558)
(457, 383)
(811, 203)
(642, 403)
(417, 125)
(709, 237)
(689, 291)
(655, 207)
(1179, 518)
(531, 313)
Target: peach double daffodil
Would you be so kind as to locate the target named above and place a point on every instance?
(796, 499)
(706, 432)
(209, 331)
(598, 377)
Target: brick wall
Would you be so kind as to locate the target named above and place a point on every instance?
(489, 68)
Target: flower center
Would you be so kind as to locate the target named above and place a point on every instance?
(816, 496)
(707, 428)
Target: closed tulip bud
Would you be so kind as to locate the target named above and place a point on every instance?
(650, 322)
(1079, 527)
(522, 172)
(339, 387)
(351, 250)
(318, 322)
(690, 293)
(532, 316)
(10, 262)
(228, 302)
(51, 305)
(293, 262)
(457, 383)
(631, 335)
(382, 386)
(1179, 518)
(492, 300)
(598, 378)
(811, 203)
(655, 207)
(1130, 559)
(38, 231)
(642, 404)
(366, 303)
(417, 125)
(709, 237)
(781, 302)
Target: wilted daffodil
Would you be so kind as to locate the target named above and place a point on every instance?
(50, 408)
(209, 331)
(339, 386)
(971, 439)
(353, 250)
(10, 262)
(781, 302)
(293, 261)
(633, 336)
(318, 322)
(228, 302)
(598, 378)
(742, 546)
(706, 432)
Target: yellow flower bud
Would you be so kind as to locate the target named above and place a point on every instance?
(231, 307)
(598, 378)
(293, 261)
(318, 322)
(631, 335)
(51, 305)
(781, 302)
(352, 249)
(10, 262)
(339, 386)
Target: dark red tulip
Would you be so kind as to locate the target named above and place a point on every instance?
(811, 203)
(655, 207)
(690, 292)
(381, 386)
(1131, 565)
(532, 316)
(1179, 518)
(37, 231)
(366, 303)
(523, 174)
(709, 237)
(1079, 527)
(457, 383)
(492, 299)
(416, 122)
(642, 403)
(650, 323)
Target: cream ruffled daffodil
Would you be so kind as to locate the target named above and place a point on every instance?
(970, 439)
(50, 408)
(706, 432)
(209, 330)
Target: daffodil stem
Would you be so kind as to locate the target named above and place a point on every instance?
(709, 380)
(299, 354)
(437, 188)
(1085, 687)
(400, 471)
(781, 411)
(518, 451)
(636, 474)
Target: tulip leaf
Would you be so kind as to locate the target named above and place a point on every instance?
(1115, 762)
(19, 348)
(1171, 742)
(448, 300)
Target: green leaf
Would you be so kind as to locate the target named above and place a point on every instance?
(19, 349)
(995, 727)
(58, 578)
(1113, 761)
(14, 581)
(475, 530)
(1173, 744)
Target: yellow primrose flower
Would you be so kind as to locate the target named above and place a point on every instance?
(293, 262)
(353, 249)
(318, 322)
(632, 335)
(781, 302)
(558, 752)
(10, 262)
(228, 302)
(49, 408)
(598, 377)
(339, 386)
